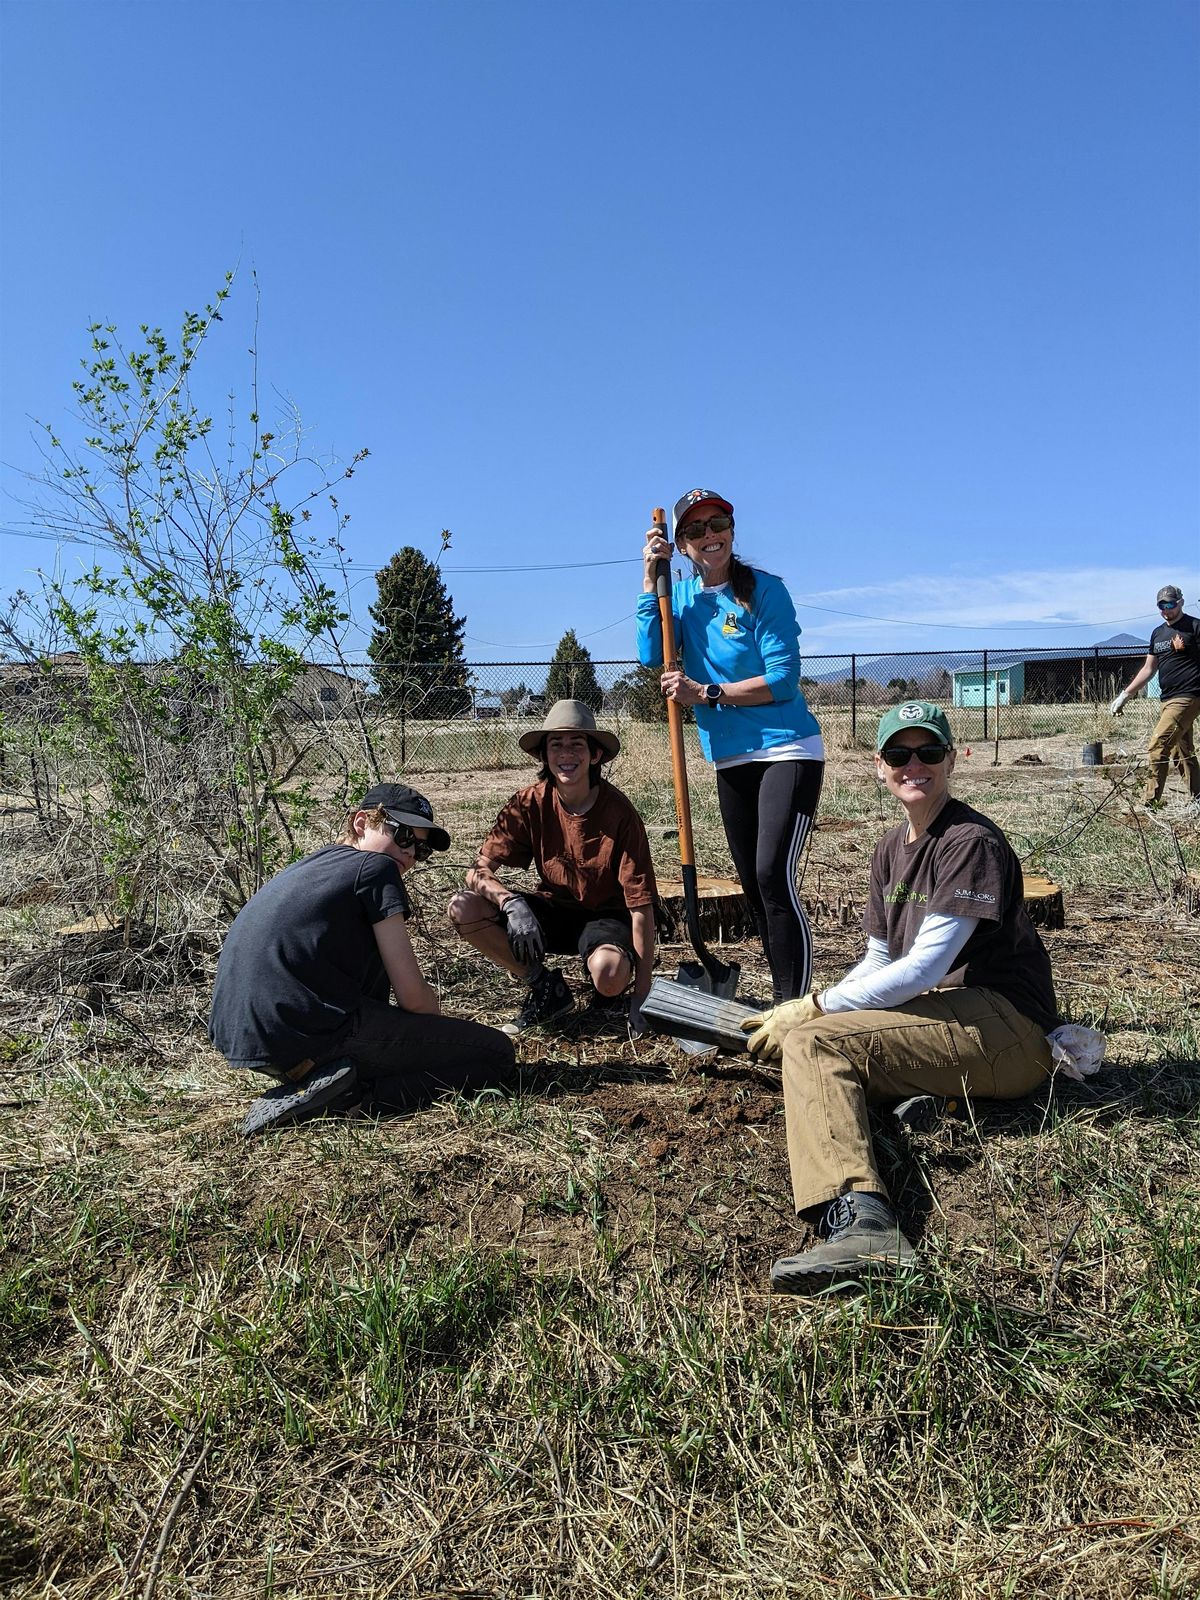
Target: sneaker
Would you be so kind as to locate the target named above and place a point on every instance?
(326, 1088)
(547, 996)
(860, 1233)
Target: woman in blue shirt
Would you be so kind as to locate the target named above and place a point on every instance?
(736, 629)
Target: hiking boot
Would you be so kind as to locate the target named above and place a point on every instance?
(547, 997)
(325, 1088)
(924, 1111)
(860, 1233)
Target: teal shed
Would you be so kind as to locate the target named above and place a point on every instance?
(1004, 685)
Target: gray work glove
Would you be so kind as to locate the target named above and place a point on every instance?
(525, 937)
(1114, 710)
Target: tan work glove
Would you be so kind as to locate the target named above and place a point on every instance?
(772, 1027)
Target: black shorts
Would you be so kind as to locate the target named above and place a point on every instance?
(573, 929)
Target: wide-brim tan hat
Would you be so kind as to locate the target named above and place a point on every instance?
(570, 716)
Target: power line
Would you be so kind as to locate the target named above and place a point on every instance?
(547, 644)
(624, 561)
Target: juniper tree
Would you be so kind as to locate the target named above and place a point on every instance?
(417, 646)
(572, 674)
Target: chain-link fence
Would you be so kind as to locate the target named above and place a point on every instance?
(457, 716)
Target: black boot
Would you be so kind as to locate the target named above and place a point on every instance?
(859, 1234)
(547, 996)
(326, 1088)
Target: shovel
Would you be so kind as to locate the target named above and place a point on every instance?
(690, 1018)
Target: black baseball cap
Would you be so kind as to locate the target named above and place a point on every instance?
(405, 805)
(1170, 594)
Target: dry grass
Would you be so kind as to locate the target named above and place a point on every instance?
(520, 1346)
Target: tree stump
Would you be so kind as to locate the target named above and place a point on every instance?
(1044, 901)
(724, 914)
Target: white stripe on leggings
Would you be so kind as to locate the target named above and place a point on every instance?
(799, 835)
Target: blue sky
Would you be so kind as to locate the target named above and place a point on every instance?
(916, 285)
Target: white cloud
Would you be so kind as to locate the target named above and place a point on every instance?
(945, 610)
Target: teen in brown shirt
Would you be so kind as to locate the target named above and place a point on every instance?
(595, 893)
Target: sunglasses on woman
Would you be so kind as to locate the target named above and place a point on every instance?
(405, 839)
(899, 755)
(698, 529)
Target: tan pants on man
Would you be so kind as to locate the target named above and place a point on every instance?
(948, 1042)
(1173, 735)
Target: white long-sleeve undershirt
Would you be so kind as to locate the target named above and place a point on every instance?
(878, 983)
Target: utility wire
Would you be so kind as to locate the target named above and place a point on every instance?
(546, 644)
(624, 561)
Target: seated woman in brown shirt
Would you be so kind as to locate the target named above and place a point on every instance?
(954, 996)
(595, 893)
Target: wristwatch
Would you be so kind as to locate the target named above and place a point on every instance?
(712, 693)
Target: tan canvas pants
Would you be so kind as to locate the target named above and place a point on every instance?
(1173, 733)
(949, 1042)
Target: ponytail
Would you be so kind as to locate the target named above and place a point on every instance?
(741, 581)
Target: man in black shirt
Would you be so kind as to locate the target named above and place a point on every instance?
(1175, 656)
(302, 986)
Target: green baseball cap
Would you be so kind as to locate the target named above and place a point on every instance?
(914, 714)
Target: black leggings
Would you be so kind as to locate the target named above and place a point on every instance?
(767, 808)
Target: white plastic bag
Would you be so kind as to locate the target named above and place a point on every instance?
(1077, 1051)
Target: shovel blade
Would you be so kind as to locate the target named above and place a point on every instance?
(723, 983)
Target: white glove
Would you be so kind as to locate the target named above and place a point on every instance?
(1114, 710)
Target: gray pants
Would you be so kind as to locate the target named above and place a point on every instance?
(405, 1058)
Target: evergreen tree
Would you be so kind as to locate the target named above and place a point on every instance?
(639, 696)
(417, 646)
(572, 675)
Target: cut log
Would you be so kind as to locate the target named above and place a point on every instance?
(1044, 901)
(724, 914)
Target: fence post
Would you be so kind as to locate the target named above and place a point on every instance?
(984, 693)
(403, 736)
(853, 698)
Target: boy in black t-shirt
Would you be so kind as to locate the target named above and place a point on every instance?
(301, 993)
(1175, 656)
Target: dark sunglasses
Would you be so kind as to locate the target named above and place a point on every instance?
(697, 530)
(899, 755)
(1169, 605)
(405, 839)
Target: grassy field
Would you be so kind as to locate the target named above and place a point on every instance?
(465, 745)
(521, 1346)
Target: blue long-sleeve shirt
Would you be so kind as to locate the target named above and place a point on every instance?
(723, 642)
